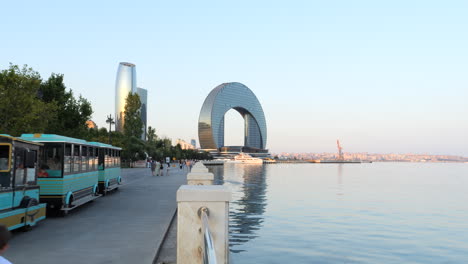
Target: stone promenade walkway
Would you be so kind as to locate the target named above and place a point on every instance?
(126, 226)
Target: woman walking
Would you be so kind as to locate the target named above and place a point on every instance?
(161, 168)
(153, 167)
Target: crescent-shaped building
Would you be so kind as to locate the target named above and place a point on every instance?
(223, 98)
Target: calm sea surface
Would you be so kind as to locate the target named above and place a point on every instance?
(348, 213)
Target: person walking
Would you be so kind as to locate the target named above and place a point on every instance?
(153, 167)
(5, 236)
(161, 168)
(158, 169)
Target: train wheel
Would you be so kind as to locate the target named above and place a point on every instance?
(64, 213)
(30, 202)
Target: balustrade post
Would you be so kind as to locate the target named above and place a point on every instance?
(200, 178)
(190, 198)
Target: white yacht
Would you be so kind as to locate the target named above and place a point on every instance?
(245, 159)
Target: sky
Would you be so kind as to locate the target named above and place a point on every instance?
(381, 76)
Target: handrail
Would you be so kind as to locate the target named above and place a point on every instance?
(209, 253)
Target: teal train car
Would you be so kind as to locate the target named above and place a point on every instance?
(109, 175)
(69, 171)
(19, 193)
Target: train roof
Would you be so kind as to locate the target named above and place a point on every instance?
(52, 138)
(48, 138)
(103, 145)
(19, 139)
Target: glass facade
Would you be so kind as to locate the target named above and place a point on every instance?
(125, 83)
(220, 100)
(143, 93)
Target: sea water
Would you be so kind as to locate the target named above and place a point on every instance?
(347, 213)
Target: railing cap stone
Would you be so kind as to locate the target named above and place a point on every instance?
(203, 193)
(200, 176)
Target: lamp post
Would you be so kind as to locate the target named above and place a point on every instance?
(110, 120)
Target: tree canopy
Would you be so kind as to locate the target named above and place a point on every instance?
(30, 105)
(133, 125)
(22, 111)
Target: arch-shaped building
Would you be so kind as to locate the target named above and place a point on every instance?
(223, 98)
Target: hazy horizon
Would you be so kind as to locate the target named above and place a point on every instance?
(381, 77)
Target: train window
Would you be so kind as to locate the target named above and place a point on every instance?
(118, 158)
(67, 165)
(91, 158)
(96, 155)
(76, 158)
(101, 158)
(19, 166)
(51, 162)
(84, 158)
(5, 157)
(112, 157)
(30, 164)
(107, 158)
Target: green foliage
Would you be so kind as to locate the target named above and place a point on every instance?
(72, 114)
(21, 109)
(30, 105)
(133, 125)
(134, 149)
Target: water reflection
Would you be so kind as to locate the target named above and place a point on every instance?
(248, 185)
(340, 180)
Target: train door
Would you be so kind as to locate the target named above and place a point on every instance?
(24, 172)
(6, 198)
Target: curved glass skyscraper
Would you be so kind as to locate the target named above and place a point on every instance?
(125, 83)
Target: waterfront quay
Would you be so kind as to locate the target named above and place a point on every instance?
(126, 226)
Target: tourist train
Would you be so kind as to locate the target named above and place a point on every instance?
(39, 171)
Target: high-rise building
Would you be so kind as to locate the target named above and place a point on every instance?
(124, 84)
(143, 93)
(193, 142)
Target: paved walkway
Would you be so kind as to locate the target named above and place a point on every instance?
(126, 226)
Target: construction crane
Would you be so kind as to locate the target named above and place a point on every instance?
(340, 150)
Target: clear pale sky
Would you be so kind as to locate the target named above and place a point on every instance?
(380, 76)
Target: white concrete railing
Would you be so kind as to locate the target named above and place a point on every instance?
(202, 219)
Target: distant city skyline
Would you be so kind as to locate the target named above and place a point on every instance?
(383, 77)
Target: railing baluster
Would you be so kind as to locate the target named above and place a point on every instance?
(209, 253)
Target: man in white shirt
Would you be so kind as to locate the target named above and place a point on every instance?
(5, 236)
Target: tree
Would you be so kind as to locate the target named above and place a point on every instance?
(72, 114)
(133, 125)
(134, 147)
(151, 135)
(21, 109)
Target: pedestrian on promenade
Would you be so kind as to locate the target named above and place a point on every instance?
(153, 167)
(161, 168)
(5, 236)
(191, 164)
(180, 164)
(158, 169)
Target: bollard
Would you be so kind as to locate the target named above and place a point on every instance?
(200, 178)
(190, 198)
